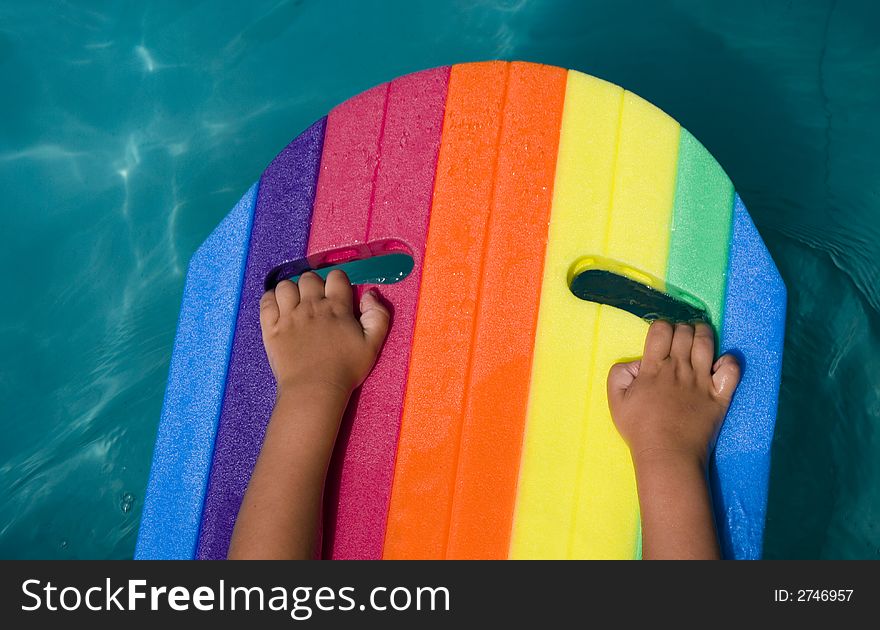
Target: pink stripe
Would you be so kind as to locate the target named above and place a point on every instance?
(348, 166)
(368, 192)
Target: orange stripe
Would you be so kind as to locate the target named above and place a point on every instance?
(464, 412)
(507, 315)
(424, 476)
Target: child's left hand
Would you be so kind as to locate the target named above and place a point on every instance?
(312, 336)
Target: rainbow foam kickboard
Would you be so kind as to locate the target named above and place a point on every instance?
(483, 431)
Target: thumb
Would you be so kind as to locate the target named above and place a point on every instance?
(620, 377)
(725, 377)
(375, 319)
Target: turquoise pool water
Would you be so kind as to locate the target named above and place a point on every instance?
(127, 132)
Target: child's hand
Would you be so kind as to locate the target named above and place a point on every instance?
(319, 352)
(312, 336)
(669, 407)
(673, 401)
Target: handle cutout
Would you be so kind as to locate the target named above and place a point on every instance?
(386, 261)
(606, 281)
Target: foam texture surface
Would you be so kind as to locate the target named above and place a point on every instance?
(424, 476)
(557, 412)
(193, 396)
(280, 231)
(606, 521)
(377, 176)
(618, 179)
(753, 330)
(497, 385)
(701, 223)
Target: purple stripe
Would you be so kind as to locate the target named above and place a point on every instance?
(280, 232)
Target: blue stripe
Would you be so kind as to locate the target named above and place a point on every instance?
(196, 384)
(753, 331)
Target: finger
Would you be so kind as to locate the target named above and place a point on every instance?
(703, 350)
(311, 287)
(268, 309)
(338, 288)
(620, 378)
(658, 342)
(725, 377)
(375, 319)
(682, 342)
(287, 296)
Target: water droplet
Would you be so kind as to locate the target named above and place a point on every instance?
(126, 502)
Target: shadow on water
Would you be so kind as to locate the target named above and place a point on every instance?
(128, 137)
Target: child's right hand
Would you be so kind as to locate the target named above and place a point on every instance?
(673, 401)
(312, 336)
(669, 407)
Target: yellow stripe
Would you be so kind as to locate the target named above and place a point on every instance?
(606, 522)
(607, 515)
(613, 197)
(557, 399)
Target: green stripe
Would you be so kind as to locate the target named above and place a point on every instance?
(701, 224)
